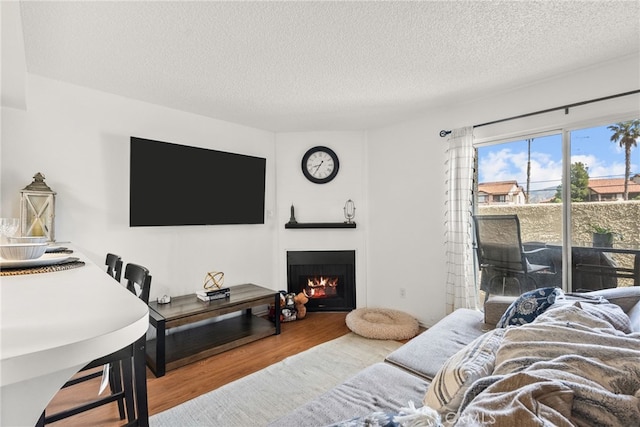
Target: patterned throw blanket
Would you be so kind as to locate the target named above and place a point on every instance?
(575, 365)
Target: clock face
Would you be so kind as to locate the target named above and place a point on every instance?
(320, 165)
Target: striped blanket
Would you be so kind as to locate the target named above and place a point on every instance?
(575, 365)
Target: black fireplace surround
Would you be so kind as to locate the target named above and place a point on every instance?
(309, 270)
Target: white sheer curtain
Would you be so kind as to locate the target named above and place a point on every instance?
(461, 271)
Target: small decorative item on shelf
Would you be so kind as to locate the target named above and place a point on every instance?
(213, 289)
(37, 209)
(214, 280)
(164, 299)
(211, 295)
(292, 219)
(349, 211)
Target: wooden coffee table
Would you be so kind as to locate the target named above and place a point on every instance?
(167, 352)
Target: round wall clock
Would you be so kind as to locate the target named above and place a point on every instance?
(320, 165)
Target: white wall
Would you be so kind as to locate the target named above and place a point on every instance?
(322, 202)
(406, 196)
(406, 175)
(79, 139)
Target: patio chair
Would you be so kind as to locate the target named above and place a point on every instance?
(594, 270)
(501, 255)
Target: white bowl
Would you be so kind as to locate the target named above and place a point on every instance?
(28, 239)
(23, 250)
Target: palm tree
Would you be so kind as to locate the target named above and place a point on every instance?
(627, 135)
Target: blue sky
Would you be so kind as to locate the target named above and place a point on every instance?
(592, 146)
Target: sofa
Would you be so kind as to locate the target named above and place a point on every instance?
(574, 361)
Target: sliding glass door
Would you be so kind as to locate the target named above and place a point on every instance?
(565, 187)
(605, 204)
(521, 177)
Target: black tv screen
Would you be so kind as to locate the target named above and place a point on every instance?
(172, 184)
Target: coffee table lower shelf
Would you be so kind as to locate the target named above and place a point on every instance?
(200, 342)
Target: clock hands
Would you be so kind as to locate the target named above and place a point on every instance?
(318, 167)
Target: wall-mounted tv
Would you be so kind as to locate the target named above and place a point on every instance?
(172, 184)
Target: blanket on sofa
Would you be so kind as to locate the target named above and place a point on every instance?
(573, 365)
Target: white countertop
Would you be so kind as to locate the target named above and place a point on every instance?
(51, 325)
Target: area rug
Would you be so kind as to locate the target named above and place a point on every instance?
(268, 394)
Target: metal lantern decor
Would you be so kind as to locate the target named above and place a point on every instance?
(37, 209)
(349, 211)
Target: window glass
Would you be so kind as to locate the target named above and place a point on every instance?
(522, 177)
(605, 201)
(525, 177)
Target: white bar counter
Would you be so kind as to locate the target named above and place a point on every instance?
(51, 325)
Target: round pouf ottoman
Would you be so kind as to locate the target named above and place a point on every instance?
(382, 324)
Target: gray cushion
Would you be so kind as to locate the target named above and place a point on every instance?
(380, 387)
(625, 297)
(425, 354)
(495, 306)
(634, 317)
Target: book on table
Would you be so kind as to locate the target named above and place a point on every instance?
(213, 294)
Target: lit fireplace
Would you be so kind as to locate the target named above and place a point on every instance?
(321, 287)
(327, 278)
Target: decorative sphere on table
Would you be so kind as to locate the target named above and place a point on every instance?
(214, 280)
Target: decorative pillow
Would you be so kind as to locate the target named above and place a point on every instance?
(528, 306)
(474, 361)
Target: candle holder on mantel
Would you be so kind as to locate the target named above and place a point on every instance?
(349, 211)
(37, 209)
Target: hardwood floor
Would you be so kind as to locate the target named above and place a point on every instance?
(189, 381)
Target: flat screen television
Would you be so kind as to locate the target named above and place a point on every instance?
(172, 184)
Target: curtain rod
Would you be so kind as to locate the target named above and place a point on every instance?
(444, 133)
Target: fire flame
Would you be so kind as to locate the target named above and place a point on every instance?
(319, 287)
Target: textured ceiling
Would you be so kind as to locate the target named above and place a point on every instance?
(287, 66)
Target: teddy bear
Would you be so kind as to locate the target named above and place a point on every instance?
(300, 300)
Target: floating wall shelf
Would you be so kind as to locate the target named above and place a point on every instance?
(320, 225)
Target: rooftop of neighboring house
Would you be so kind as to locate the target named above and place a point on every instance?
(500, 187)
(612, 186)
